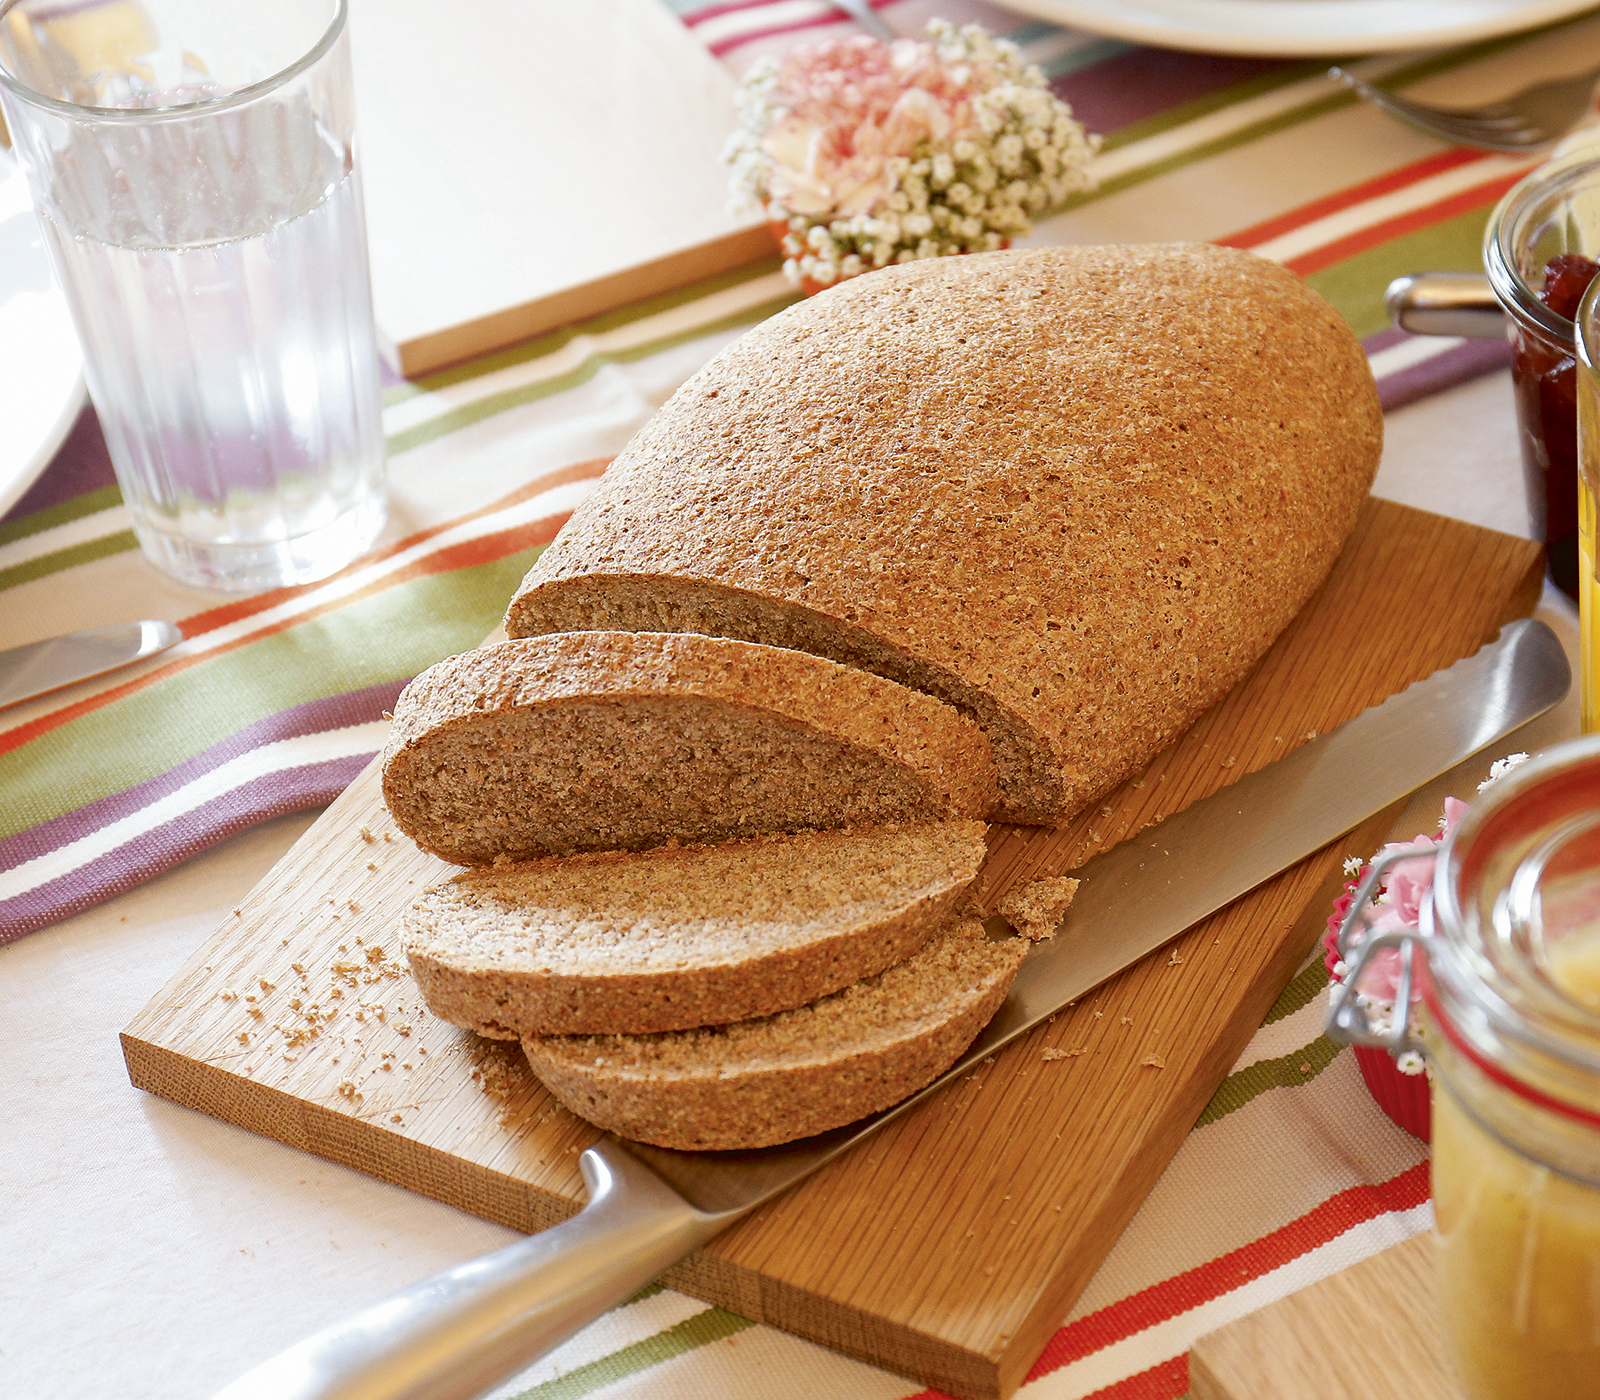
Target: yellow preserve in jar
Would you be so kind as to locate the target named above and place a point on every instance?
(1510, 937)
(1518, 1267)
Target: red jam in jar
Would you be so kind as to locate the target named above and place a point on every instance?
(1544, 375)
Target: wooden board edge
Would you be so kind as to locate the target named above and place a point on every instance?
(436, 350)
(1386, 1300)
(344, 1138)
(1167, 1133)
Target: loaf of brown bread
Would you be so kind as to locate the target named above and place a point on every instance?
(1074, 492)
(760, 1082)
(682, 936)
(622, 741)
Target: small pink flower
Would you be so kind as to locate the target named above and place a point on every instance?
(850, 105)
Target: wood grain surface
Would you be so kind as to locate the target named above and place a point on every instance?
(1369, 1332)
(949, 1246)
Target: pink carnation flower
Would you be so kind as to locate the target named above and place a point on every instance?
(851, 104)
(1399, 906)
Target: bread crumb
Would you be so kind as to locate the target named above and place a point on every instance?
(1035, 909)
(267, 986)
(1154, 1061)
(1229, 762)
(372, 865)
(1305, 1069)
(228, 994)
(1051, 1053)
(1174, 960)
(366, 834)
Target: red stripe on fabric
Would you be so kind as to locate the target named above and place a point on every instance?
(1168, 1381)
(726, 46)
(1170, 1297)
(483, 550)
(1359, 242)
(1305, 214)
(227, 613)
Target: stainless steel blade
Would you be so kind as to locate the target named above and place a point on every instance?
(452, 1336)
(40, 667)
(1150, 888)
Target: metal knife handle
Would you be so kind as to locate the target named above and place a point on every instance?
(1446, 303)
(457, 1334)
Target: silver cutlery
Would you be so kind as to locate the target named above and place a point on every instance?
(1525, 122)
(868, 18)
(40, 667)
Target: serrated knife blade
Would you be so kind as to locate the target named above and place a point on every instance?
(457, 1334)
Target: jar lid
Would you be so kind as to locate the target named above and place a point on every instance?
(1514, 953)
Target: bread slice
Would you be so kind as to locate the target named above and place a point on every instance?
(1076, 492)
(623, 741)
(770, 1080)
(682, 936)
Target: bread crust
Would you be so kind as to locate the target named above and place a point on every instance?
(1075, 492)
(621, 740)
(760, 1083)
(682, 936)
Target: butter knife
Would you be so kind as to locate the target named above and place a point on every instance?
(457, 1334)
(40, 667)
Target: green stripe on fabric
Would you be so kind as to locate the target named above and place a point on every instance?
(541, 345)
(1357, 284)
(468, 414)
(712, 1325)
(1301, 992)
(1210, 102)
(1299, 1067)
(91, 502)
(84, 553)
(391, 635)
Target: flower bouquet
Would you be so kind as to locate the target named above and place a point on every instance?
(862, 153)
(1399, 1085)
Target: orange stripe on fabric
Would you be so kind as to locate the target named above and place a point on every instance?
(1223, 1274)
(1363, 239)
(1345, 199)
(483, 550)
(221, 616)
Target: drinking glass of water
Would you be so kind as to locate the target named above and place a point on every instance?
(193, 165)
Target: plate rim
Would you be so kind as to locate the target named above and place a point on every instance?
(1459, 23)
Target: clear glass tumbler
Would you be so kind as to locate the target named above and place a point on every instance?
(193, 166)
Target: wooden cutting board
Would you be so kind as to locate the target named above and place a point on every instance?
(1369, 1332)
(950, 1245)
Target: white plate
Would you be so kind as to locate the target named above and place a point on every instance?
(1301, 27)
(41, 368)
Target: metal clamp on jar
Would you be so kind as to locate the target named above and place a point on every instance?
(1507, 959)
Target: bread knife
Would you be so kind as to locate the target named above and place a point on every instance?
(40, 667)
(457, 1334)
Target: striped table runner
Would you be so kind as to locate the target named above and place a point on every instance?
(274, 703)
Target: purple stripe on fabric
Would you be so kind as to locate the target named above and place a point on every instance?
(1391, 335)
(1141, 83)
(1467, 361)
(314, 717)
(82, 464)
(153, 852)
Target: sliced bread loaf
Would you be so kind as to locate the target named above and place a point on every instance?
(624, 741)
(682, 936)
(1076, 492)
(770, 1080)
